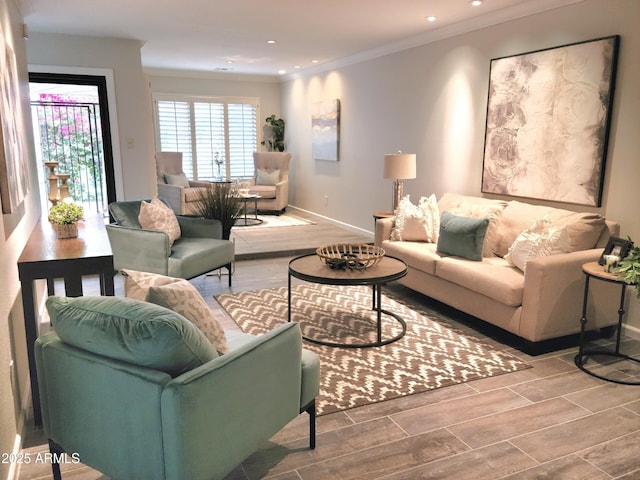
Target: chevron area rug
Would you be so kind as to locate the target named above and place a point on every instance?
(430, 355)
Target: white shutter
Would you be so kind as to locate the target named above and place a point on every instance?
(242, 138)
(174, 123)
(201, 127)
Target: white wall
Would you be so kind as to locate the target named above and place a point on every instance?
(431, 100)
(133, 102)
(14, 232)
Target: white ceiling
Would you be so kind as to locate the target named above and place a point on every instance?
(204, 35)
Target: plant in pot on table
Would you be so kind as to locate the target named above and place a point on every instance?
(628, 270)
(220, 202)
(65, 216)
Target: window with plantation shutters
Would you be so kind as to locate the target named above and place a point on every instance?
(217, 136)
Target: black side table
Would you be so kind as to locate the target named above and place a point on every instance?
(596, 271)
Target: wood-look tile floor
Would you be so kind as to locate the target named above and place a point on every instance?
(551, 421)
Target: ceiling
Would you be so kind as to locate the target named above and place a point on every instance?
(231, 35)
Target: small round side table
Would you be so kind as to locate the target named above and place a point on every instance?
(596, 271)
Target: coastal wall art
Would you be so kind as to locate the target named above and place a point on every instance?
(13, 170)
(548, 117)
(325, 130)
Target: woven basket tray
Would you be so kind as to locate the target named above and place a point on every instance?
(351, 256)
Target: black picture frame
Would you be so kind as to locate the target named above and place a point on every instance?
(616, 246)
(534, 99)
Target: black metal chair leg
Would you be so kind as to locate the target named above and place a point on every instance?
(311, 410)
(229, 268)
(56, 454)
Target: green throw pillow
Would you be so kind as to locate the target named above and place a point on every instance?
(132, 331)
(462, 236)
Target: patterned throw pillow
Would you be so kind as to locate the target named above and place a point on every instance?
(419, 223)
(158, 216)
(542, 238)
(184, 298)
(178, 295)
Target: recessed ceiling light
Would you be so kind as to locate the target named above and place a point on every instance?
(431, 18)
(314, 61)
(476, 3)
(296, 66)
(281, 72)
(271, 42)
(229, 62)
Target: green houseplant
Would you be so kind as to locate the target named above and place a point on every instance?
(276, 142)
(628, 270)
(220, 202)
(64, 216)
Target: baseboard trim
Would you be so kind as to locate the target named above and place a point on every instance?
(332, 220)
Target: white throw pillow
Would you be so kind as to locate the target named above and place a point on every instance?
(178, 295)
(267, 178)
(542, 238)
(158, 216)
(417, 222)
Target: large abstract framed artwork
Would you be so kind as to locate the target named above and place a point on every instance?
(548, 116)
(325, 130)
(13, 175)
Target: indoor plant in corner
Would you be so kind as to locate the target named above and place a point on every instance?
(220, 202)
(276, 142)
(64, 216)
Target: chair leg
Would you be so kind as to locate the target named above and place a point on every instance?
(311, 410)
(229, 267)
(56, 453)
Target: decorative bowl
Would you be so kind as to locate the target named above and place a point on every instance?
(350, 256)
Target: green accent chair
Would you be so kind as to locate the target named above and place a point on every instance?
(199, 250)
(136, 391)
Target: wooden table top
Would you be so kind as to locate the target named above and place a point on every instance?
(311, 268)
(43, 245)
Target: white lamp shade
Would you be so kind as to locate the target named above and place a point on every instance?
(399, 166)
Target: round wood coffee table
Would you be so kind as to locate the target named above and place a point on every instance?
(311, 269)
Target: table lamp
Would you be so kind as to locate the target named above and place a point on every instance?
(399, 166)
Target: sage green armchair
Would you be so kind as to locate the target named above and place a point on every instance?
(199, 250)
(130, 389)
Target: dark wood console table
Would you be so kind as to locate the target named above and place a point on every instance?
(46, 257)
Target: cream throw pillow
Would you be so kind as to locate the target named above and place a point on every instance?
(539, 240)
(177, 295)
(158, 216)
(417, 222)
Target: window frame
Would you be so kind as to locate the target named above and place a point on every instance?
(192, 99)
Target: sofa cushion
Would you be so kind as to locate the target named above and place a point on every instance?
(177, 295)
(476, 207)
(179, 180)
(462, 236)
(492, 277)
(131, 331)
(265, 191)
(155, 215)
(126, 213)
(419, 255)
(584, 229)
(192, 194)
(267, 178)
(417, 222)
(539, 240)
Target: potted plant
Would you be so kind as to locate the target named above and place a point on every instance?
(220, 202)
(276, 142)
(64, 216)
(628, 270)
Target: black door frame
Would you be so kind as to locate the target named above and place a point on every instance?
(107, 143)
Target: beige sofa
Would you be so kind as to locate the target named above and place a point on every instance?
(544, 302)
